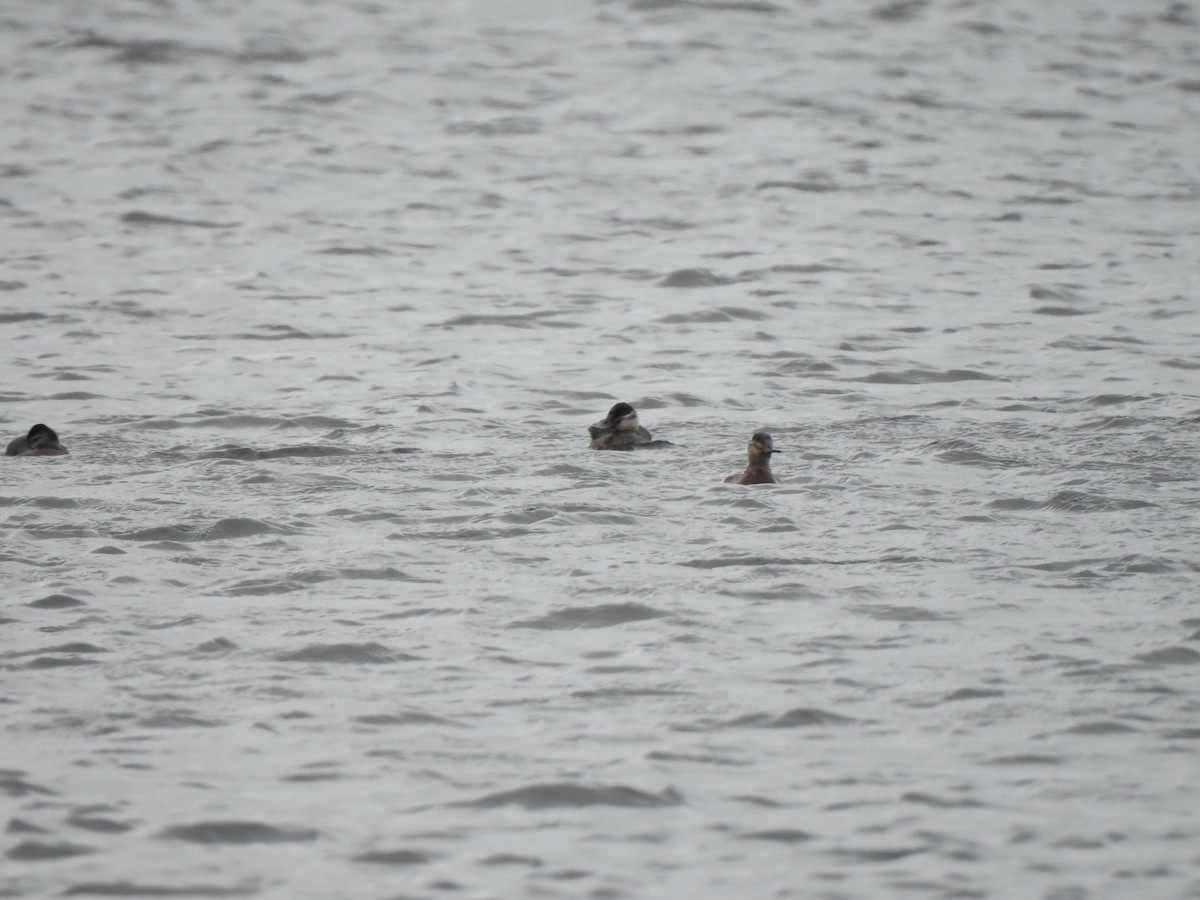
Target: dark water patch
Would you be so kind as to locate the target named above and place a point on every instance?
(1170, 656)
(506, 126)
(972, 694)
(13, 784)
(109, 550)
(216, 645)
(779, 836)
(617, 693)
(511, 859)
(20, 826)
(237, 832)
(1185, 734)
(695, 278)
(1026, 759)
(405, 719)
(511, 320)
(801, 717)
(1058, 293)
(58, 662)
(890, 613)
(601, 616)
(151, 51)
(1101, 728)
(899, 10)
(1113, 399)
(1059, 311)
(1071, 502)
(77, 395)
(808, 186)
(353, 250)
(146, 219)
(99, 824)
(40, 851)
(179, 720)
(877, 855)
(134, 889)
(719, 314)
(924, 799)
(78, 647)
(279, 333)
(11, 318)
(352, 654)
(926, 376)
(767, 561)
(1186, 364)
(556, 795)
(704, 759)
(57, 601)
(399, 858)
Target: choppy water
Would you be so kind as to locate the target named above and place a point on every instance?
(331, 600)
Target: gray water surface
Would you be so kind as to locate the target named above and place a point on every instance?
(330, 598)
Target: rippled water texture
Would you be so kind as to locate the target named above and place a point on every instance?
(330, 598)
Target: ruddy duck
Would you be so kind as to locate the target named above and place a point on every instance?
(619, 430)
(758, 471)
(41, 441)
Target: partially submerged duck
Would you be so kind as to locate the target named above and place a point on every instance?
(41, 441)
(619, 430)
(758, 470)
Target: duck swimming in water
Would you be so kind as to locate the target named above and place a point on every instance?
(41, 441)
(619, 430)
(758, 470)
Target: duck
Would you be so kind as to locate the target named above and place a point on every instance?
(758, 469)
(41, 441)
(619, 430)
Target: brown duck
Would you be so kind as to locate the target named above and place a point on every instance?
(758, 470)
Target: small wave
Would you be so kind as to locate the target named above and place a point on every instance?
(57, 601)
(1070, 501)
(926, 376)
(38, 851)
(958, 451)
(1101, 728)
(512, 320)
(695, 278)
(130, 889)
(718, 314)
(601, 616)
(13, 784)
(307, 451)
(221, 530)
(565, 794)
(140, 217)
(972, 694)
(405, 719)
(237, 832)
(369, 654)
(800, 717)
(58, 662)
(779, 836)
(890, 613)
(395, 857)
(1170, 656)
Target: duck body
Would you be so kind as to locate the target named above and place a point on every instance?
(619, 430)
(40, 441)
(758, 467)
